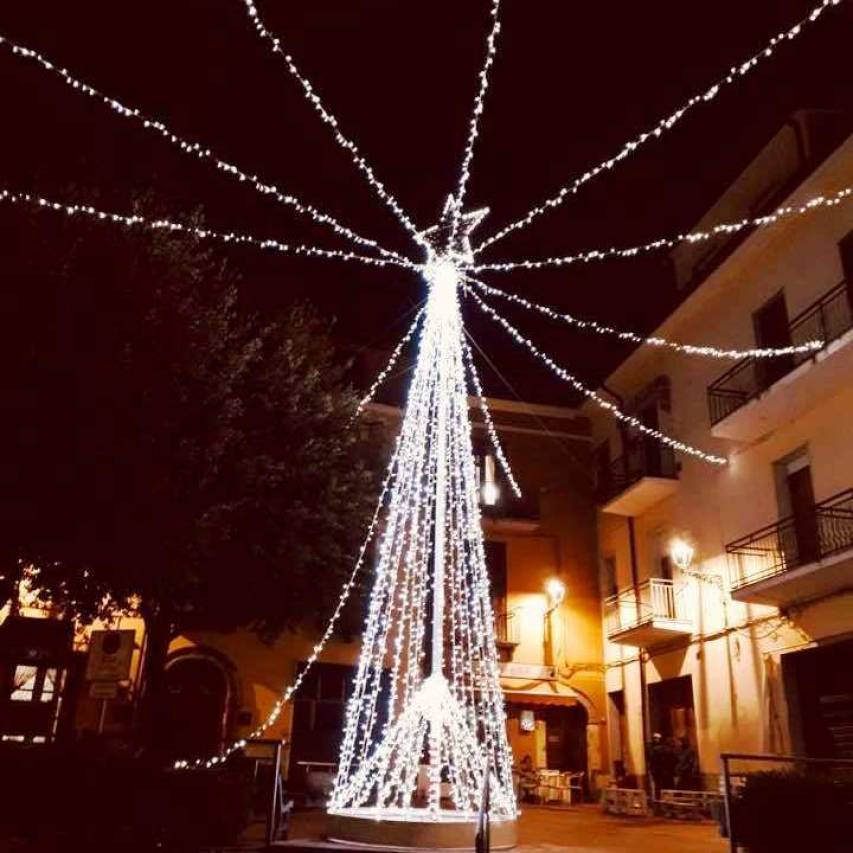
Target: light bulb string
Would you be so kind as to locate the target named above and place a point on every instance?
(287, 693)
(389, 366)
(171, 226)
(487, 419)
(474, 122)
(734, 73)
(572, 380)
(331, 121)
(778, 215)
(634, 337)
(197, 149)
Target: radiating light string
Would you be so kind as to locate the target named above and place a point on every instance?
(735, 73)
(572, 380)
(474, 123)
(487, 419)
(195, 148)
(328, 118)
(634, 337)
(389, 366)
(171, 226)
(781, 213)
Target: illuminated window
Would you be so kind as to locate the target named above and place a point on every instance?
(48, 686)
(34, 684)
(24, 683)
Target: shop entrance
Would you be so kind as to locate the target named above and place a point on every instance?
(819, 687)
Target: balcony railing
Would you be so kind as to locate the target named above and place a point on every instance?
(793, 541)
(826, 320)
(510, 508)
(658, 599)
(507, 629)
(645, 458)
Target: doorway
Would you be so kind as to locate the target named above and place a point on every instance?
(565, 737)
(772, 329)
(671, 712)
(819, 687)
(194, 708)
(799, 532)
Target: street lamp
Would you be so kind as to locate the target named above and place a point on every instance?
(681, 552)
(556, 591)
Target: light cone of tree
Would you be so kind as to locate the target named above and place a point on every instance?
(427, 690)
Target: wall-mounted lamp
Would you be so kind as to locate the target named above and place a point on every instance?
(681, 553)
(556, 590)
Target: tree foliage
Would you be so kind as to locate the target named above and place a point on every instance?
(163, 444)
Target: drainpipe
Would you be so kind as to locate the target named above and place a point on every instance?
(644, 695)
(635, 582)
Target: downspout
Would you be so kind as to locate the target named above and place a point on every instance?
(635, 582)
(641, 660)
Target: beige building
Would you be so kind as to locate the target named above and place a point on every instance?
(728, 592)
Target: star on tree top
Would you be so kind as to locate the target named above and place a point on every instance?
(439, 235)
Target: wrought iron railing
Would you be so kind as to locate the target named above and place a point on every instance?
(655, 599)
(507, 628)
(644, 458)
(826, 319)
(510, 508)
(793, 541)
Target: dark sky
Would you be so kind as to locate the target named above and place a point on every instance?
(571, 83)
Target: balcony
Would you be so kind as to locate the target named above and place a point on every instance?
(510, 514)
(639, 479)
(799, 558)
(757, 395)
(507, 634)
(650, 614)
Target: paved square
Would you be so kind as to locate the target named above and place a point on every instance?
(581, 829)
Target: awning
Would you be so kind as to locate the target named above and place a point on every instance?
(538, 692)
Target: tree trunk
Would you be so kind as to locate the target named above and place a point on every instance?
(158, 636)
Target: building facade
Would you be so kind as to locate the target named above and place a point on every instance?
(541, 556)
(728, 592)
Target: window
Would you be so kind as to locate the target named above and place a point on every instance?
(609, 583)
(845, 249)
(33, 684)
(497, 567)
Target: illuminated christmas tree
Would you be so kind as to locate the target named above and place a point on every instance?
(427, 691)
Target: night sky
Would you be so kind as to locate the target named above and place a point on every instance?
(571, 83)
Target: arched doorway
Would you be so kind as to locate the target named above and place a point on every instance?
(195, 706)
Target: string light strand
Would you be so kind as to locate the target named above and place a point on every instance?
(614, 410)
(487, 420)
(170, 225)
(476, 113)
(328, 118)
(768, 219)
(633, 337)
(383, 374)
(287, 693)
(736, 72)
(196, 149)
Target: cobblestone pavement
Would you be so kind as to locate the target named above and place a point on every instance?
(583, 829)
